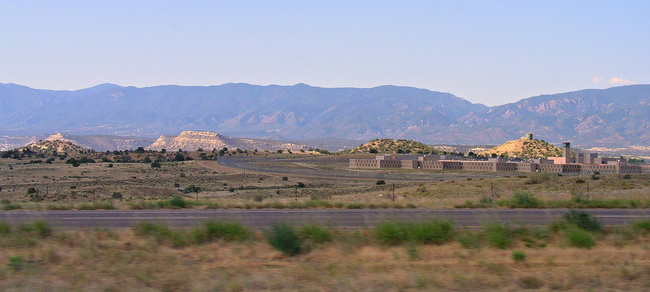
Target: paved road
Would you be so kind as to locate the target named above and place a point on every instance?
(342, 218)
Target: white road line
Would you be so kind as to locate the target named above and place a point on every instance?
(130, 218)
(622, 216)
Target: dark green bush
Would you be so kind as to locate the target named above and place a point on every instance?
(498, 235)
(315, 233)
(5, 228)
(582, 220)
(191, 189)
(38, 227)
(16, 263)
(525, 199)
(431, 232)
(380, 182)
(158, 231)
(390, 233)
(643, 225)
(469, 240)
(228, 231)
(178, 202)
(435, 232)
(518, 255)
(284, 238)
(579, 237)
(354, 206)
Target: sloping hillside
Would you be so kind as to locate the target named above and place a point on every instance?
(53, 148)
(614, 117)
(524, 148)
(399, 146)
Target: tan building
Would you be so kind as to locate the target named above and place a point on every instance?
(579, 163)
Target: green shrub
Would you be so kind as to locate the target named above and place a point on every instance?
(643, 225)
(498, 235)
(436, 232)
(525, 199)
(16, 263)
(579, 237)
(582, 220)
(390, 233)
(469, 240)
(431, 232)
(627, 176)
(285, 178)
(178, 202)
(315, 233)
(228, 231)
(10, 207)
(38, 227)
(354, 206)
(5, 228)
(283, 237)
(518, 255)
(31, 191)
(158, 231)
(191, 189)
(380, 182)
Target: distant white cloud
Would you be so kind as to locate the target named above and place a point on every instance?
(621, 81)
(598, 79)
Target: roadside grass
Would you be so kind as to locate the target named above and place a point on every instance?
(59, 186)
(227, 256)
(428, 232)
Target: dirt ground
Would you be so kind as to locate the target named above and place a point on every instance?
(282, 178)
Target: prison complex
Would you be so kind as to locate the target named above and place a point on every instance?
(577, 163)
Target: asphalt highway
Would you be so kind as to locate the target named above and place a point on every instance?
(339, 218)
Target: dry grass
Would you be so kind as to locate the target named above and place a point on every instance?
(61, 186)
(94, 260)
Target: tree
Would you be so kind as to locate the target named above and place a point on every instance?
(139, 150)
(179, 157)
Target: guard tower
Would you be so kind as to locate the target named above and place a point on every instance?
(566, 152)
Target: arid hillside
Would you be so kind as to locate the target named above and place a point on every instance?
(399, 146)
(524, 148)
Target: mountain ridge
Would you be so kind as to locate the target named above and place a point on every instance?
(614, 117)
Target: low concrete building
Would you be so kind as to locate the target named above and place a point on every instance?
(579, 163)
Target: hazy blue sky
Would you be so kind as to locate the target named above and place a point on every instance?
(492, 52)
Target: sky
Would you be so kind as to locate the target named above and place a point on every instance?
(490, 52)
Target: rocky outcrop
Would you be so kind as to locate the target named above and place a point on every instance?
(54, 147)
(103, 142)
(193, 140)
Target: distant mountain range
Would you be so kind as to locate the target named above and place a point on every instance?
(615, 117)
